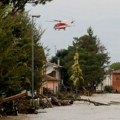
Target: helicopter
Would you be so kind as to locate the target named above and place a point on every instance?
(62, 25)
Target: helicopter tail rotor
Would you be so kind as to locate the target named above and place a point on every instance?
(72, 21)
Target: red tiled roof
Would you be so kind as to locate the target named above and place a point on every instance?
(50, 78)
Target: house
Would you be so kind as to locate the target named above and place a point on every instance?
(52, 78)
(116, 80)
(112, 79)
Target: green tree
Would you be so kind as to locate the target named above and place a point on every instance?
(115, 66)
(15, 53)
(19, 5)
(94, 58)
(60, 55)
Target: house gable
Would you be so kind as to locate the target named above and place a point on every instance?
(116, 80)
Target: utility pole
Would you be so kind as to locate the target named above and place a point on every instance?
(33, 16)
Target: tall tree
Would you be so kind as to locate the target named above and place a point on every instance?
(76, 72)
(94, 58)
(15, 53)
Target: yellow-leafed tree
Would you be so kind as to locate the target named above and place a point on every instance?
(76, 76)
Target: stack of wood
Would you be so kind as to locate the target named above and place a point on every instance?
(8, 105)
(24, 106)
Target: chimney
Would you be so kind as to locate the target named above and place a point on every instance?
(58, 61)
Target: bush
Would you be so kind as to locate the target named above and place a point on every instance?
(108, 89)
(60, 95)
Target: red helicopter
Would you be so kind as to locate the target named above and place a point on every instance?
(61, 25)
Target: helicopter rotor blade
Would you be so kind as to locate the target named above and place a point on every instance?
(50, 21)
(57, 20)
(54, 21)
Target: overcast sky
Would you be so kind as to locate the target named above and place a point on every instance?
(102, 15)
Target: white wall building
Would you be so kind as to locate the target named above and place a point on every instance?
(106, 82)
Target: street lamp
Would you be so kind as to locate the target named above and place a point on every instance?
(33, 16)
